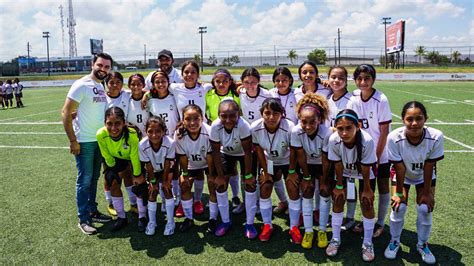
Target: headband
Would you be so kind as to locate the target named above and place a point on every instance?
(353, 118)
(310, 106)
(222, 73)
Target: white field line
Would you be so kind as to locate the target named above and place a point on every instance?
(459, 143)
(32, 133)
(460, 151)
(30, 123)
(42, 113)
(429, 96)
(33, 147)
(441, 123)
(438, 121)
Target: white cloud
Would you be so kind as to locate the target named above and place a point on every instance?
(179, 4)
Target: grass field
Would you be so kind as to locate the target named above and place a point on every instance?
(39, 220)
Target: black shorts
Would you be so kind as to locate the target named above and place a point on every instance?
(383, 171)
(157, 177)
(229, 163)
(277, 168)
(421, 185)
(315, 171)
(198, 172)
(19, 95)
(9, 96)
(121, 165)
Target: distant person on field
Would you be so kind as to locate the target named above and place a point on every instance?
(87, 97)
(18, 89)
(165, 63)
(1, 93)
(8, 93)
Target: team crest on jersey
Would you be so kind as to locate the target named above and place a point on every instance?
(125, 146)
(371, 115)
(203, 149)
(200, 94)
(171, 107)
(284, 145)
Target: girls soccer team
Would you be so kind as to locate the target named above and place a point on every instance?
(314, 139)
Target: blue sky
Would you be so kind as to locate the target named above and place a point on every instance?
(244, 27)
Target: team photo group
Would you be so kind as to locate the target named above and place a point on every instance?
(319, 147)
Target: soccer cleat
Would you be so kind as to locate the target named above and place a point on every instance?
(150, 229)
(250, 232)
(347, 224)
(223, 228)
(142, 224)
(186, 225)
(426, 254)
(333, 248)
(98, 217)
(295, 235)
(316, 217)
(179, 211)
(133, 208)
(119, 224)
(211, 227)
(111, 210)
(87, 228)
(322, 239)
(281, 207)
(368, 253)
(378, 230)
(307, 242)
(239, 208)
(359, 228)
(169, 229)
(391, 250)
(198, 207)
(236, 202)
(266, 233)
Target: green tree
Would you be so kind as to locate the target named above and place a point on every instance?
(433, 57)
(318, 56)
(230, 61)
(456, 57)
(213, 60)
(197, 58)
(420, 51)
(292, 55)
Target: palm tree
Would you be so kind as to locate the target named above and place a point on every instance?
(433, 56)
(420, 51)
(292, 55)
(456, 57)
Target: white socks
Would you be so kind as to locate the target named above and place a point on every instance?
(169, 210)
(152, 211)
(325, 207)
(234, 184)
(280, 190)
(294, 207)
(384, 200)
(108, 196)
(131, 196)
(250, 206)
(424, 221)
(307, 206)
(369, 225)
(336, 222)
(141, 208)
(188, 208)
(223, 203)
(213, 210)
(396, 222)
(118, 206)
(266, 210)
(198, 188)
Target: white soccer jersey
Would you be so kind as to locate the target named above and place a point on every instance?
(276, 146)
(313, 147)
(196, 150)
(338, 151)
(184, 96)
(122, 101)
(137, 116)
(174, 76)
(166, 109)
(289, 103)
(321, 90)
(335, 106)
(413, 156)
(231, 143)
(157, 158)
(91, 110)
(372, 113)
(251, 105)
(8, 89)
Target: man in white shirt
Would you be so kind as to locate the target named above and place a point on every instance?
(87, 98)
(165, 62)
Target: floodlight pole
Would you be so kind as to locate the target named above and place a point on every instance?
(202, 30)
(46, 35)
(386, 20)
(335, 52)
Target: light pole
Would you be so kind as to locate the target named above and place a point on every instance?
(202, 30)
(46, 35)
(386, 20)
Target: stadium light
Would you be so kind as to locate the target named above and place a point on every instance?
(202, 30)
(386, 20)
(46, 35)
